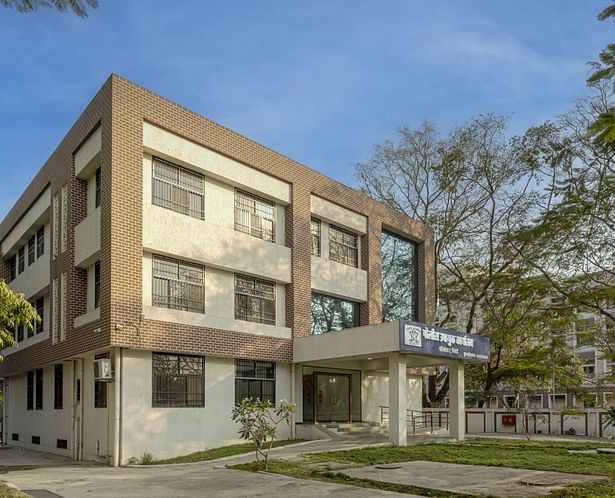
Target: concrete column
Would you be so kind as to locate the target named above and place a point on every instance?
(397, 400)
(457, 421)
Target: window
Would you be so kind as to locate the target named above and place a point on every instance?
(22, 259)
(15, 436)
(100, 388)
(36, 440)
(30, 391)
(254, 300)
(40, 242)
(39, 389)
(330, 313)
(31, 247)
(97, 284)
(343, 246)
(98, 192)
(315, 235)
(58, 386)
(62, 444)
(31, 330)
(254, 379)
(178, 285)
(20, 329)
(178, 189)
(40, 309)
(177, 381)
(254, 216)
(399, 278)
(12, 268)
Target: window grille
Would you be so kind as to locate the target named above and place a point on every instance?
(177, 381)
(22, 260)
(39, 389)
(343, 246)
(315, 235)
(97, 284)
(178, 285)
(100, 388)
(40, 242)
(178, 189)
(31, 247)
(58, 387)
(254, 300)
(97, 195)
(254, 380)
(254, 216)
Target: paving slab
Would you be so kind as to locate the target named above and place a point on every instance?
(471, 479)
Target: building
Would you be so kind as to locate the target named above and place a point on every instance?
(205, 268)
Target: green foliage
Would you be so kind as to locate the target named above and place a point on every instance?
(79, 7)
(14, 310)
(609, 417)
(258, 422)
(146, 459)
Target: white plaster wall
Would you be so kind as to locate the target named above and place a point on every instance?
(87, 156)
(338, 215)
(49, 424)
(87, 239)
(174, 234)
(91, 200)
(375, 393)
(35, 215)
(167, 432)
(219, 305)
(175, 148)
(336, 279)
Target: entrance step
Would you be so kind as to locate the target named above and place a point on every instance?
(355, 430)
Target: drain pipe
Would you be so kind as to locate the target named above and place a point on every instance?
(293, 418)
(117, 461)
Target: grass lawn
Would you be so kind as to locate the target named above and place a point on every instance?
(533, 455)
(6, 492)
(223, 451)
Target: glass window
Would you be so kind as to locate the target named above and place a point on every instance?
(331, 313)
(177, 380)
(178, 285)
(178, 189)
(254, 300)
(98, 187)
(39, 389)
(100, 388)
(22, 259)
(255, 380)
(12, 268)
(30, 391)
(399, 278)
(40, 309)
(58, 387)
(31, 249)
(343, 246)
(40, 242)
(97, 284)
(254, 216)
(315, 234)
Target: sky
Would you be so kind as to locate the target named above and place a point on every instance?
(319, 81)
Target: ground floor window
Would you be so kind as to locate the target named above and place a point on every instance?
(39, 389)
(100, 388)
(254, 379)
(178, 380)
(30, 393)
(331, 313)
(58, 387)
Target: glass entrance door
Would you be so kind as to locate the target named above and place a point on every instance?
(333, 397)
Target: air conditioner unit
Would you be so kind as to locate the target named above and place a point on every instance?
(102, 370)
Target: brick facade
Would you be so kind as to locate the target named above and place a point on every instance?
(120, 108)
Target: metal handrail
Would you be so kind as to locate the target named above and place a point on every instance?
(418, 420)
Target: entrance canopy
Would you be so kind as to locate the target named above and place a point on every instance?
(423, 344)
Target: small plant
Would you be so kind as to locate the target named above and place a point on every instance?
(258, 422)
(609, 420)
(146, 459)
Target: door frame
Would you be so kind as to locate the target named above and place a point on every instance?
(315, 374)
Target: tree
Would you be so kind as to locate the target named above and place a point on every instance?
(258, 422)
(79, 7)
(472, 187)
(14, 310)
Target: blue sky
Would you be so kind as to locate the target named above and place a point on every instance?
(319, 81)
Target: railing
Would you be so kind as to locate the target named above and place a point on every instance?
(419, 420)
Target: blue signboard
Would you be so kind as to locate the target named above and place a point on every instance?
(436, 341)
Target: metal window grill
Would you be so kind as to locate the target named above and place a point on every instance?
(255, 380)
(31, 247)
(40, 242)
(343, 246)
(254, 300)
(22, 259)
(178, 189)
(178, 285)
(254, 216)
(315, 235)
(177, 381)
